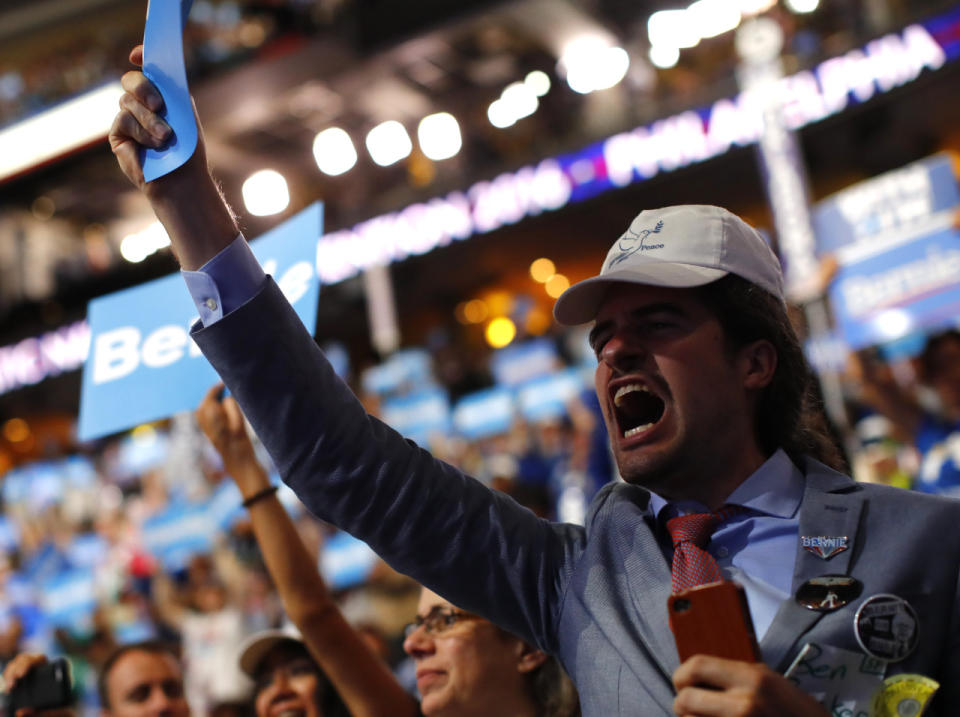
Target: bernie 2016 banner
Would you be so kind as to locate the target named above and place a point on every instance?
(895, 240)
(144, 366)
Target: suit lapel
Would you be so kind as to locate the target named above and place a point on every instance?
(831, 508)
(648, 577)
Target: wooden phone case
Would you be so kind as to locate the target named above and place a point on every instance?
(713, 620)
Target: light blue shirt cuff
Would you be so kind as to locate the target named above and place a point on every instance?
(226, 282)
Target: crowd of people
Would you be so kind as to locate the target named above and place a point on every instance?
(710, 413)
(212, 603)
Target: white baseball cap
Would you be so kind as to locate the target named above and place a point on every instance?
(683, 246)
(258, 645)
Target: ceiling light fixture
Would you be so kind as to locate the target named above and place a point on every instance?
(334, 151)
(388, 143)
(265, 193)
(538, 81)
(439, 136)
(803, 6)
(590, 64)
(59, 130)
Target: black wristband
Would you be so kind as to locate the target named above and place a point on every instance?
(259, 495)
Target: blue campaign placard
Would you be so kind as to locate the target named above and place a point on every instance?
(69, 600)
(484, 413)
(546, 398)
(522, 362)
(163, 64)
(892, 294)
(419, 415)
(894, 202)
(346, 561)
(143, 365)
(174, 536)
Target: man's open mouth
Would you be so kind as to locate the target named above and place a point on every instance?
(637, 408)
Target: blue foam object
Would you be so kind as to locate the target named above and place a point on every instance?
(163, 65)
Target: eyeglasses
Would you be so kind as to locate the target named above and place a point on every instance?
(438, 620)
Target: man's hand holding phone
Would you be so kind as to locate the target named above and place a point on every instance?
(721, 674)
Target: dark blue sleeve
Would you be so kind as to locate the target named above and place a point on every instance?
(477, 548)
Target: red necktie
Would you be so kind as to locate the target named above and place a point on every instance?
(692, 564)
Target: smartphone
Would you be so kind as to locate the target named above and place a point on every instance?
(45, 687)
(713, 620)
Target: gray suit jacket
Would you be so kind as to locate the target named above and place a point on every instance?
(595, 596)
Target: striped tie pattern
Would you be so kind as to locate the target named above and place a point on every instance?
(692, 564)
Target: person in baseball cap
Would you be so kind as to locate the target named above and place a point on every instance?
(287, 680)
(681, 247)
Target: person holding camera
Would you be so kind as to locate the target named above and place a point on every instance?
(143, 679)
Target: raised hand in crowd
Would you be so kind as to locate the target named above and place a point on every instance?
(364, 682)
(187, 201)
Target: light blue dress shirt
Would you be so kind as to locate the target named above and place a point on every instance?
(226, 282)
(750, 547)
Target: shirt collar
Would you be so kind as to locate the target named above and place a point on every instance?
(775, 488)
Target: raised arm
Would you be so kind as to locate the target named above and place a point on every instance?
(360, 677)
(187, 201)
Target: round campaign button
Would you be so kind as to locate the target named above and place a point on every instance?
(828, 592)
(887, 627)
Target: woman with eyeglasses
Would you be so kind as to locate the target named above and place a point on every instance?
(466, 665)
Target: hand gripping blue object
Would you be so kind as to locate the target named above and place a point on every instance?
(164, 66)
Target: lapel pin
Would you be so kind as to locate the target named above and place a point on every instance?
(828, 592)
(824, 546)
(886, 626)
(903, 695)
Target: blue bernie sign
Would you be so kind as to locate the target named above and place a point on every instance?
(69, 600)
(419, 415)
(174, 536)
(143, 365)
(484, 413)
(522, 362)
(897, 250)
(546, 398)
(346, 561)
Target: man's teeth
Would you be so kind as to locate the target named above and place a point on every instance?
(624, 390)
(637, 429)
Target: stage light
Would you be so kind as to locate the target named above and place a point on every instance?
(556, 285)
(713, 17)
(475, 311)
(500, 115)
(334, 151)
(265, 193)
(672, 28)
(542, 269)
(538, 81)
(138, 246)
(520, 100)
(500, 332)
(803, 6)
(755, 7)
(16, 430)
(439, 136)
(59, 130)
(388, 143)
(664, 57)
(589, 64)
